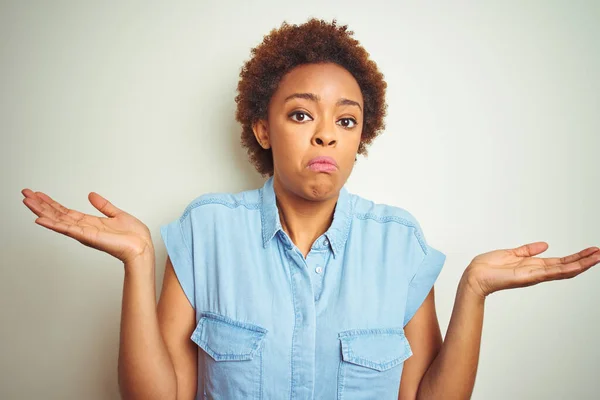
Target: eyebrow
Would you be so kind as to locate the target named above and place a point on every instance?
(315, 98)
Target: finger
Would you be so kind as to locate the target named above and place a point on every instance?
(86, 235)
(39, 209)
(83, 234)
(70, 230)
(45, 203)
(103, 205)
(27, 192)
(63, 212)
(571, 258)
(43, 206)
(565, 271)
(58, 212)
(582, 264)
(52, 203)
(530, 249)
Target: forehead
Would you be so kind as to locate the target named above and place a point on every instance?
(329, 81)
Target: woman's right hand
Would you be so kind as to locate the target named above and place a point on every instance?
(120, 235)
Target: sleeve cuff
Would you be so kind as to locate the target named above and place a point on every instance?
(181, 257)
(421, 284)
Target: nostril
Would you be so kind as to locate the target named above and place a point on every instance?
(319, 141)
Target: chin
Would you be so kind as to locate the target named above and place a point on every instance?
(322, 187)
(312, 186)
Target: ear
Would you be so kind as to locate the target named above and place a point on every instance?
(261, 133)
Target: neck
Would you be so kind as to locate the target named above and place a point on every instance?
(303, 220)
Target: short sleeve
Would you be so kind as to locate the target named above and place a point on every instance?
(423, 280)
(177, 236)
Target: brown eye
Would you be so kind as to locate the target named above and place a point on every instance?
(348, 123)
(300, 116)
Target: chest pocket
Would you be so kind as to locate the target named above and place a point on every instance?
(372, 361)
(232, 365)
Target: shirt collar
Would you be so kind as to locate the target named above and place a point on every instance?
(337, 232)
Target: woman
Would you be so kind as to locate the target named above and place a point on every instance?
(298, 289)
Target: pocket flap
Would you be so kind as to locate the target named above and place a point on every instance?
(225, 339)
(379, 349)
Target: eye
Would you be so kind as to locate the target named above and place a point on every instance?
(348, 123)
(300, 116)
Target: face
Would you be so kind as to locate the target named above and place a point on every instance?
(314, 126)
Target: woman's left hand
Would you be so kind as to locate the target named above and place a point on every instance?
(512, 268)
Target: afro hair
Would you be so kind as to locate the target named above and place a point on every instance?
(315, 41)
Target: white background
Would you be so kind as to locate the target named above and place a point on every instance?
(491, 142)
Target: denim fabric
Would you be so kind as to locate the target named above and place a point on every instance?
(271, 324)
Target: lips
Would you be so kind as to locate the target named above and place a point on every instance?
(323, 164)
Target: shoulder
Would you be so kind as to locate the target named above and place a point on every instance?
(366, 209)
(391, 218)
(222, 203)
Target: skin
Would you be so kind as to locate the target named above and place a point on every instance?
(156, 358)
(316, 111)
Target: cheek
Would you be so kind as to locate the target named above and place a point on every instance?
(289, 138)
(288, 148)
(352, 150)
(354, 142)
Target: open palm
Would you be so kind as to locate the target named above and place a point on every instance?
(512, 268)
(120, 235)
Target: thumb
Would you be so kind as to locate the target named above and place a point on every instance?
(103, 205)
(530, 249)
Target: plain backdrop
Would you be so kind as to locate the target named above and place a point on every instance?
(491, 142)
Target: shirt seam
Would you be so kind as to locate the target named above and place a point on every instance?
(213, 200)
(398, 220)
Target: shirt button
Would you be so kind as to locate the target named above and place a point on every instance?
(319, 269)
(325, 242)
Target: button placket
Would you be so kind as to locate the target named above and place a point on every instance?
(318, 272)
(304, 334)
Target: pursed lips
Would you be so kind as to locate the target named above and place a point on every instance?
(323, 164)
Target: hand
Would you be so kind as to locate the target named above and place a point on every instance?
(512, 268)
(121, 235)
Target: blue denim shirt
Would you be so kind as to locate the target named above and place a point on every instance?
(271, 324)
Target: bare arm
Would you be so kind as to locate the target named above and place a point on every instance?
(145, 368)
(452, 373)
(156, 357)
(176, 319)
(443, 369)
(425, 338)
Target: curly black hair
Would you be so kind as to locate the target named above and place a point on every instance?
(315, 41)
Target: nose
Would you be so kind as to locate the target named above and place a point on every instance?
(325, 135)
